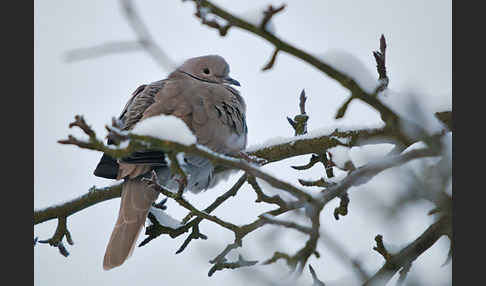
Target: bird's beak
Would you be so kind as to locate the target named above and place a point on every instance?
(229, 80)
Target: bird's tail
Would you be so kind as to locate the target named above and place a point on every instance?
(136, 200)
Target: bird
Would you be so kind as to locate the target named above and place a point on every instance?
(200, 93)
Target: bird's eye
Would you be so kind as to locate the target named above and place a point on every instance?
(206, 71)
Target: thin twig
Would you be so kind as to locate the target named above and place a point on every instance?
(144, 42)
(269, 13)
(380, 57)
(316, 281)
(270, 63)
(299, 123)
(408, 254)
(241, 262)
(56, 239)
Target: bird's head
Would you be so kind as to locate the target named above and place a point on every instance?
(210, 68)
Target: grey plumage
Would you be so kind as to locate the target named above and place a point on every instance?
(198, 92)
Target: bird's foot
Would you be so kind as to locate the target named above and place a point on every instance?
(161, 205)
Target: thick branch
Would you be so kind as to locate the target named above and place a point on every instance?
(283, 46)
(294, 147)
(388, 116)
(139, 143)
(316, 144)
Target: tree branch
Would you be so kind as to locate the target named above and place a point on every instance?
(92, 197)
(407, 255)
(295, 146)
(302, 143)
(380, 57)
(56, 239)
(144, 42)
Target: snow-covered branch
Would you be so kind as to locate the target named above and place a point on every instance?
(329, 146)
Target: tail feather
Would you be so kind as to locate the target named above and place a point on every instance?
(134, 206)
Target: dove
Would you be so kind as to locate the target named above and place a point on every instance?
(198, 92)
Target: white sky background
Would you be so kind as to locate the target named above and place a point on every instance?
(419, 54)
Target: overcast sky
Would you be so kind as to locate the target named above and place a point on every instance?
(419, 55)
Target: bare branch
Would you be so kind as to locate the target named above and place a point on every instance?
(195, 234)
(445, 117)
(313, 212)
(302, 100)
(152, 182)
(311, 204)
(269, 220)
(388, 116)
(342, 254)
(92, 197)
(56, 239)
(328, 164)
(270, 63)
(269, 13)
(343, 207)
(156, 230)
(201, 13)
(380, 247)
(403, 273)
(144, 42)
(316, 281)
(407, 255)
(299, 123)
(313, 160)
(81, 123)
(176, 169)
(261, 197)
(383, 78)
(232, 265)
(138, 143)
(380, 57)
(342, 110)
(271, 153)
(317, 183)
(102, 50)
(364, 173)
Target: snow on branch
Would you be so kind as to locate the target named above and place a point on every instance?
(361, 86)
(166, 127)
(335, 142)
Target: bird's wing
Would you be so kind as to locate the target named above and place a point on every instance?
(215, 113)
(140, 100)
